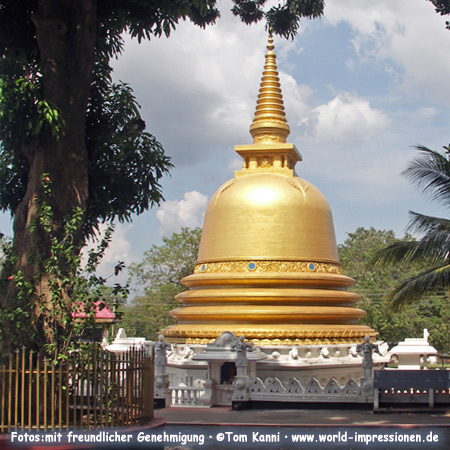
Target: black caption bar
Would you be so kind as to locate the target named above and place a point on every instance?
(243, 437)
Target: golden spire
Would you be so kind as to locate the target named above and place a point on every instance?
(268, 267)
(269, 123)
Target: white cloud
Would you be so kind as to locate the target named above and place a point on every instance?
(347, 118)
(378, 183)
(175, 214)
(199, 87)
(297, 100)
(426, 113)
(423, 115)
(119, 250)
(235, 163)
(405, 35)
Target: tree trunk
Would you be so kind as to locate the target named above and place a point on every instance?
(66, 31)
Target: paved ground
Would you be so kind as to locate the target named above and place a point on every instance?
(299, 417)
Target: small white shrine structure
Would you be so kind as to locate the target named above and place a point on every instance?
(411, 350)
(122, 343)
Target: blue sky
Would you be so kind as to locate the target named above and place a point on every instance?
(361, 87)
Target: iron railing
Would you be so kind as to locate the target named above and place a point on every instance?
(88, 390)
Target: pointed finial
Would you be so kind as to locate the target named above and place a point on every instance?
(270, 45)
(269, 123)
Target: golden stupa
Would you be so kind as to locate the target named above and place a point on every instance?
(268, 266)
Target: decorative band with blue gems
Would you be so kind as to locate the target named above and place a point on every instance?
(268, 266)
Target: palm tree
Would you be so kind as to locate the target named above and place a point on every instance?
(431, 172)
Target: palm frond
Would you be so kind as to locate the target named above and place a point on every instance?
(420, 223)
(411, 290)
(432, 249)
(398, 253)
(431, 172)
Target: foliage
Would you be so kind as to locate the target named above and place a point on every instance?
(159, 274)
(125, 162)
(443, 8)
(431, 172)
(283, 19)
(24, 117)
(374, 283)
(71, 283)
(355, 254)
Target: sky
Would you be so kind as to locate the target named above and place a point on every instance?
(362, 86)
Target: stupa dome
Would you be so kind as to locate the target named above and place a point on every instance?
(268, 267)
(266, 216)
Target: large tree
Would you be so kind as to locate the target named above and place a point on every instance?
(63, 121)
